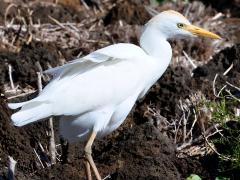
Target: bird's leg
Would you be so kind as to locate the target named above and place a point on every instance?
(88, 170)
(88, 154)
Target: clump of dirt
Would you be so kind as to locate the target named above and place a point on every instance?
(15, 142)
(3, 7)
(129, 11)
(28, 61)
(229, 6)
(60, 12)
(219, 64)
(139, 152)
(144, 152)
(20, 143)
(59, 171)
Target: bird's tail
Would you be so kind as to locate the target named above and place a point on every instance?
(31, 111)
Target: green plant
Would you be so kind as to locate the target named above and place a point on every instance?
(228, 143)
(221, 111)
(193, 177)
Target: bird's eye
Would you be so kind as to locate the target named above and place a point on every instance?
(180, 25)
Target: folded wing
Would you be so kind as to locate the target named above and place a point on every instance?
(104, 77)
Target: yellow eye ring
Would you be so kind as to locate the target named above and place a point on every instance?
(180, 25)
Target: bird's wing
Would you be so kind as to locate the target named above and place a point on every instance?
(81, 65)
(111, 54)
(95, 81)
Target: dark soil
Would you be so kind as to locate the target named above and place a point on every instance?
(25, 62)
(41, 11)
(140, 152)
(15, 142)
(230, 6)
(138, 149)
(143, 152)
(219, 64)
(131, 13)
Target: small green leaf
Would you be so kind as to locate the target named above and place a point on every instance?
(193, 177)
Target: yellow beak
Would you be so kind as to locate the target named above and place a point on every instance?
(201, 32)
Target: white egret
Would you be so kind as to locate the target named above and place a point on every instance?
(94, 94)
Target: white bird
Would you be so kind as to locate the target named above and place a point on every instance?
(94, 94)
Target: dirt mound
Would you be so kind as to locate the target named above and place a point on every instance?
(3, 7)
(19, 143)
(219, 64)
(31, 59)
(16, 142)
(144, 152)
(130, 12)
(141, 152)
(60, 12)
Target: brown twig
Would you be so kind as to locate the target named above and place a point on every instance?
(39, 77)
(6, 12)
(38, 157)
(85, 5)
(21, 95)
(10, 77)
(199, 138)
(232, 96)
(214, 85)
(193, 124)
(72, 31)
(228, 69)
(52, 146)
(51, 143)
(219, 154)
(184, 120)
(228, 83)
(189, 59)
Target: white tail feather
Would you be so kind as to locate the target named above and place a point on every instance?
(16, 105)
(30, 112)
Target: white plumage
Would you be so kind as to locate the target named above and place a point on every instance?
(96, 91)
(94, 94)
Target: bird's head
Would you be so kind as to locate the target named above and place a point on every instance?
(174, 25)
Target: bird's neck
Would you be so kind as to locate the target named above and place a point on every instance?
(156, 45)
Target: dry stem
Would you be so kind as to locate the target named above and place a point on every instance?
(51, 143)
(52, 146)
(10, 77)
(189, 59)
(38, 157)
(11, 168)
